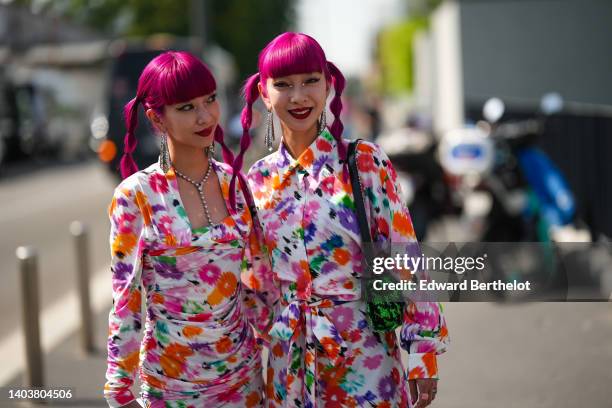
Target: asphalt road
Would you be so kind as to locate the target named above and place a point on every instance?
(36, 208)
(536, 355)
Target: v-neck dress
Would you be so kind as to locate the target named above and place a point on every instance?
(323, 353)
(204, 291)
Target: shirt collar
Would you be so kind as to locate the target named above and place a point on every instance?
(320, 152)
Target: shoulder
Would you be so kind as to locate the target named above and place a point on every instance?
(224, 167)
(262, 168)
(262, 178)
(134, 185)
(130, 185)
(365, 147)
(141, 178)
(225, 173)
(372, 158)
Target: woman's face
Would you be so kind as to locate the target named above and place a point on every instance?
(297, 99)
(191, 123)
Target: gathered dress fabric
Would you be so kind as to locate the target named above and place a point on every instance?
(203, 302)
(323, 353)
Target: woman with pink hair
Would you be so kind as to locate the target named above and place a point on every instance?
(324, 350)
(176, 239)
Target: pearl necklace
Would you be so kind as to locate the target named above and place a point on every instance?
(200, 187)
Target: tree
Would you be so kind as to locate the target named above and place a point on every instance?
(395, 54)
(396, 46)
(242, 27)
(422, 8)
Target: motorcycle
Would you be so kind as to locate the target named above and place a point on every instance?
(422, 180)
(512, 192)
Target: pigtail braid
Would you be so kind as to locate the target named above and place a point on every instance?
(228, 156)
(130, 112)
(251, 94)
(335, 106)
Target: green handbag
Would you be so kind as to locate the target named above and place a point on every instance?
(384, 311)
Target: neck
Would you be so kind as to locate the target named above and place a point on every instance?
(190, 161)
(298, 141)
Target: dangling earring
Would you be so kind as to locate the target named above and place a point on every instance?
(269, 138)
(164, 154)
(322, 123)
(210, 150)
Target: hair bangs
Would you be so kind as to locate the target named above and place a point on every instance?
(184, 78)
(290, 54)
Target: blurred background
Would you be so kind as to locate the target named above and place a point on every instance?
(496, 114)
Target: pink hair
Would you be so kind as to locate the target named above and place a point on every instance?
(170, 78)
(290, 53)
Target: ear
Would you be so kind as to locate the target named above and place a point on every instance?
(155, 120)
(264, 96)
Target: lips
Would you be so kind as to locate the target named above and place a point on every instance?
(300, 113)
(205, 132)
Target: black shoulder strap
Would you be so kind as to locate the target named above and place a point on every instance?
(360, 211)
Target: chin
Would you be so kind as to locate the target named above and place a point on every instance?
(200, 143)
(302, 127)
(205, 142)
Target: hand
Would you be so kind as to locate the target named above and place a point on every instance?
(423, 391)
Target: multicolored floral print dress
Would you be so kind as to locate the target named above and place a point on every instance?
(323, 352)
(202, 287)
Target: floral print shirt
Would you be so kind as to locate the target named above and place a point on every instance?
(322, 350)
(202, 288)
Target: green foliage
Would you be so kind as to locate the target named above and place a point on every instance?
(120, 17)
(396, 48)
(160, 16)
(421, 8)
(242, 27)
(396, 55)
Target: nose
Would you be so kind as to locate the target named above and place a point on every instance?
(298, 94)
(204, 116)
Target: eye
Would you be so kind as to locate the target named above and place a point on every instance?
(185, 108)
(281, 84)
(212, 98)
(312, 80)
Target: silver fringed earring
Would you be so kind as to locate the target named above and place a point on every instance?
(210, 150)
(164, 154)
(322, 123)
(269, 138)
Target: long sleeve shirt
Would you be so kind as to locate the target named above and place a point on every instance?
(202, 288)
(322, 347)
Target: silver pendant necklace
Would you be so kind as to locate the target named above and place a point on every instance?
(200, 187)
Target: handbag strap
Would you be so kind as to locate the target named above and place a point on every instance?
(360, 212)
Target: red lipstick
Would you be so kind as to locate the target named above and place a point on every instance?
(300, 113)
(205, 132)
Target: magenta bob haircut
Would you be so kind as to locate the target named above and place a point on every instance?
(170, 78)
(290, 53)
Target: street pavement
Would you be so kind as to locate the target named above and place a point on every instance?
(36, 208)
(539, 355)
(536, 355)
